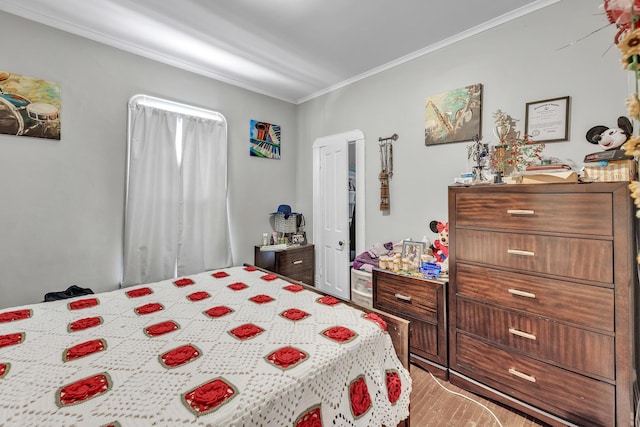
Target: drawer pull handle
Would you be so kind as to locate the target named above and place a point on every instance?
(521, 293)
(519, 252)
(298, 261)
(521, 375)
(522, 334)
(520, 212)
(403, 297)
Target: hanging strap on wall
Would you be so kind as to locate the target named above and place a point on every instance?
(386, 169)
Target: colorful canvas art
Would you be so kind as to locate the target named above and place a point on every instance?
(453, 116)
(265, 140)
(29, 106)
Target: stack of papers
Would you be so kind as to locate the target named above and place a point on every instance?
(543, 174)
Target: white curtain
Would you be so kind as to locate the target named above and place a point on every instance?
(151, 219)
(204, 241)
(176, 220)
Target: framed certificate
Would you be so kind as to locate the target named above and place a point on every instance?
(547, 120)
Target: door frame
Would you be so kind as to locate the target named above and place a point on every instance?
(356, 136)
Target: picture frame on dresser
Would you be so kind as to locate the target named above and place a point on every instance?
(412, 251)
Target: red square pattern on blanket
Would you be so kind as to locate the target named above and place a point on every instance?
(183, 282)
(11, 316)
(294, 314)
(83, 303)
(152, 307)
(287, 357)
(246, 331)
(261, 299)
(311, 418)
(85, 323)
(140, 292)
(198, 296)
(209, 396)
(339, 334)
(161, 328)
(238, 286)
(220, 274)
(84, 389)
(218, 311)
(11, 339)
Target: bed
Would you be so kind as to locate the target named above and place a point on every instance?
(230, 347)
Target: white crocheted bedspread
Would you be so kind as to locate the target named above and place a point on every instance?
(231, 347)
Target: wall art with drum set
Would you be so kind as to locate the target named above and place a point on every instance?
(29, 106)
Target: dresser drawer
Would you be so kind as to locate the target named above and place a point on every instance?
(581, 305)
(290, 260)
(586, 259)
(577, 398)
(416, 298)
(537, 212)
(422, 302)
(540, 338)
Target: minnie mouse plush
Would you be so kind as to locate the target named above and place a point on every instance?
(440, 247)
(613, 138)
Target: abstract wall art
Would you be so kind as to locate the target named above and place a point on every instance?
(264, 140)
(453, 116)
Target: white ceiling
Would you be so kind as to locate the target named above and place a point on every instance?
(293, 50)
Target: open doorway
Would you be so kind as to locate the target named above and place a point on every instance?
(338, 213)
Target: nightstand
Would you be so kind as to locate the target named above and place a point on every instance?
(296, 263)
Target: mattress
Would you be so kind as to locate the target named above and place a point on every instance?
(230, 347)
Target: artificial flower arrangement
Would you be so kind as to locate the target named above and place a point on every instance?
(514, 153)
(625, 15)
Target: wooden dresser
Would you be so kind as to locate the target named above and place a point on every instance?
(422, 302)
(296, 263)
(541, 299)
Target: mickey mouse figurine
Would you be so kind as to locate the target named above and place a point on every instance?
(611, 138)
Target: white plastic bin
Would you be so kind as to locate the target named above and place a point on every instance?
(361, 288)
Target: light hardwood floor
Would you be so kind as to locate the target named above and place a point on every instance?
(431, 406)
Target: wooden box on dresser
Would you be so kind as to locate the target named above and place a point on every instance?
(297, 263)
(541, 299)
(422, 302)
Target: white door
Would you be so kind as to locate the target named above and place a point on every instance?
(330, 212)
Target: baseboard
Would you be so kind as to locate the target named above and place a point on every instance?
(436, 369)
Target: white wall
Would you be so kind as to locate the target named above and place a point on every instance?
(61, 202)
(517, 62)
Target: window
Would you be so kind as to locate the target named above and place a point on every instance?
(176, 219)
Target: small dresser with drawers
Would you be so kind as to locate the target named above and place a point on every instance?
(541, 299)
(297, 263)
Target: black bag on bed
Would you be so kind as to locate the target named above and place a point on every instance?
(72, 291)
